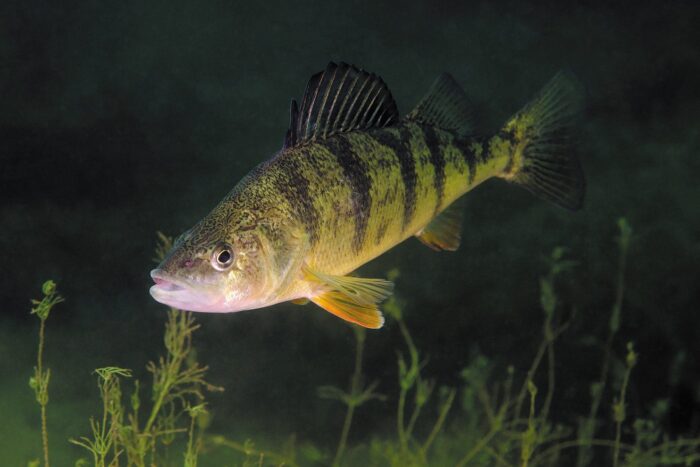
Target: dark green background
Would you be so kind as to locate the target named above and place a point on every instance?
(119, 119)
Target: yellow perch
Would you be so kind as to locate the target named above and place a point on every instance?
(353, 180)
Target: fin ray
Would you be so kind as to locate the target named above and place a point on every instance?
(444, 232)
(548, 166)
(336, 303)
(341, 98)
(353, 299)
(361, 290)
(445, 106)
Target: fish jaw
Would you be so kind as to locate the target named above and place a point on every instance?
(183, 295)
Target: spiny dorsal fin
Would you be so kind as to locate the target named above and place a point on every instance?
(292, 131)
(445, 231)
(339, 99)
(445, 106)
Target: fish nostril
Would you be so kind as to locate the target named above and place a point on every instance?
(188, 263)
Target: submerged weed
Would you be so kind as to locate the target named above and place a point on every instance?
(40, 381)
(177, 389)
(356, 396)
(498, 420)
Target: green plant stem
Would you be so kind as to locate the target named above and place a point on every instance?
(577, 443)
(530, 374)
(618, 434)
(344, 434)
(530, 435)
(680, 443)
(535, 365)
(42, 404)
(615, 317)
(483, 442)
(156, 408)
(172, 370)
(550, 381)
(103, 428)
(619, 407)
(499, 458)
(277, 458)
(191, 452)
(354, 390)
(412, 420)
(407, 337)
(439, 423)
(400, 419)
(617, 307)
(40, 352)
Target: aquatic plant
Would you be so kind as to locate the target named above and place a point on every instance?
(500, 427)
(177, 389)
(40, 381)
(501, 419)
(356, 396)
(410, 450)
(489, 420)
(586, 429)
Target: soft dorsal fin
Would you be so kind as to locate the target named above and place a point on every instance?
(339, 99)
(445, 106)
(444, 232)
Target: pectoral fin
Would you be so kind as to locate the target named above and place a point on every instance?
(353, 299)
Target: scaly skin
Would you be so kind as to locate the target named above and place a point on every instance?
(333, 205)
(353, 181)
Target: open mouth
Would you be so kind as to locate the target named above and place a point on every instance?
(164, 283)
(182, 294)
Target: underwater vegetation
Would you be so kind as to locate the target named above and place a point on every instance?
(491, 419)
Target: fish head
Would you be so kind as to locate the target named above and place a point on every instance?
(214, 268)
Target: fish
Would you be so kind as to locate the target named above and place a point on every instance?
(354, 179)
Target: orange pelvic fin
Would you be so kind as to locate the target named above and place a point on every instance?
(353, 299)
(342, 306)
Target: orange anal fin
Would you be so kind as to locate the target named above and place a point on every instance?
(342, 306)
(444, 232)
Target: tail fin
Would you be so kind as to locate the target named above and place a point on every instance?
(543, 159)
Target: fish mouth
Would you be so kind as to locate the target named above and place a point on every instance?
(165, 283)
(180, 294)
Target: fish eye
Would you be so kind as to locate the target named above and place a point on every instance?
(222, 258)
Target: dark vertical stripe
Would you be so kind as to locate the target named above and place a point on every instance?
(472, 156)
(438, 160)
(466, 147)
(509, 136)
(294, 186)
(356, 173)
(381, 231)
(401, 146)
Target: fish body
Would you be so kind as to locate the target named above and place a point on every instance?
(359, 194)
(352, 181)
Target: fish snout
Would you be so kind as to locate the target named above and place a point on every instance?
(164, 282)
